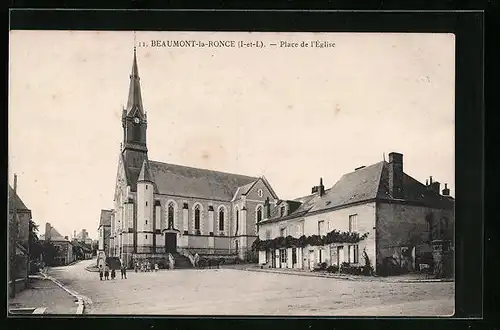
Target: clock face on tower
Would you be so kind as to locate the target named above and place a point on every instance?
(136, 120)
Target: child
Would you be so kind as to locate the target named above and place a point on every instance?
(113, 274)
(100, 272)
(156, 267)
(106, 273)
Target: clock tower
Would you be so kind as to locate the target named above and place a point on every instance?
(134, 123)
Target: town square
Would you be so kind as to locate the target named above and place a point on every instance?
(226, 191)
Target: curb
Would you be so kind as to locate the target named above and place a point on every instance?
(80, 299)
(348, 278)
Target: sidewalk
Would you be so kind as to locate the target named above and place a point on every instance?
(407, 278)
(44, 296)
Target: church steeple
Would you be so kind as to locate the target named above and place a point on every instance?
(134, 102)
(134, 123)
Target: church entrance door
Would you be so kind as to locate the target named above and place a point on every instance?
(171, 242)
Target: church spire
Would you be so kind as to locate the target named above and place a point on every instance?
(134, 103)
(145, 174)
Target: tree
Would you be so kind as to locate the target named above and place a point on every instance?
(35, 247)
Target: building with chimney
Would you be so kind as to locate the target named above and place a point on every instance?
(62, 244)
(19, 222)
(377, 212)
(161, 208)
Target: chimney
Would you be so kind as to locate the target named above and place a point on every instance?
(267, 208)
(314, 190)
(435, 187)
(66, 237)
(396, 175)
(321, 188)
(446, 191)
(47, 231)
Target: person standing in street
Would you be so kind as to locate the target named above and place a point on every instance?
(106, 272)
(124, 271)
(100, 272)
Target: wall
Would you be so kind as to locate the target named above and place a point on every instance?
(400, 225)
(336, 219)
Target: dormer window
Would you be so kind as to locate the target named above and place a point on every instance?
(282, 211)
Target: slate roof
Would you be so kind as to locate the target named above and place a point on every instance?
(145, 174)
(243, 190)
(14, 199)
(105, 219)
(54, 235)
(187, 181)
(368, 183)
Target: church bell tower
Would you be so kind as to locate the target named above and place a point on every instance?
(134, 123)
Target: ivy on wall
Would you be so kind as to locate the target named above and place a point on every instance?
(314, 240)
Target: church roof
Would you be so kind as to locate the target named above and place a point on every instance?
(187, 181)
(105, 219)
(362, 185)
(145, 174)
(15, 200)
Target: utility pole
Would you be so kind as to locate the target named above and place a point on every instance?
(13, 240)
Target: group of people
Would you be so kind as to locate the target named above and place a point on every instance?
(105, 271)
(146, 266)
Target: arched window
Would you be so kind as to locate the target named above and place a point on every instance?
(259, 214)
(237, 221)
(221, 220)
(197, 217)
(170, 215)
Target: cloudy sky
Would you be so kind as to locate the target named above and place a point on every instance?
(291, 114)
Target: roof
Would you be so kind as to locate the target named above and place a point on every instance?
(364, 184)
(15, 200)
(134, 102)
(105, 219)
(243, 190)
(187, 181)
(145, 174)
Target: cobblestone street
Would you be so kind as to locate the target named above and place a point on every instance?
(237, 292)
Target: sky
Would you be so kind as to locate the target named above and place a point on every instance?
(292, 114)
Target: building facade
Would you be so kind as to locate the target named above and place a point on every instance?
(377, 213)
(62, 244)
(104, 231)
(164, 208)
(19, 222)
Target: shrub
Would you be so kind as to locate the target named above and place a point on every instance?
(332, 269)
(322, 266)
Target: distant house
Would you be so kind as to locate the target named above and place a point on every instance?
(19, 233)
(63, 246)
(377, 212)
(104, 236)
(83, 250)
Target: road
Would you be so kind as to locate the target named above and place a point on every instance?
(237, 292)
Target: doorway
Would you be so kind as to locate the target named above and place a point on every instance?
(171, 242)
(311, 259)
(340, 255)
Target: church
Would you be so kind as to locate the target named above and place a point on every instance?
(161, 208)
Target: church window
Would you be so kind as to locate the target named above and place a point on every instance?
(221, 219)
(171, 215)
(146, 222)
(237, 221)
(259, 214)
(146, 203)
(197, 217)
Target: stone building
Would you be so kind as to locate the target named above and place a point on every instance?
(19, 219)
(162, 208)
(104, 235)
(62, 244)
(378, 210)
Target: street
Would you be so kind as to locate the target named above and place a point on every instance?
(237, 292)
